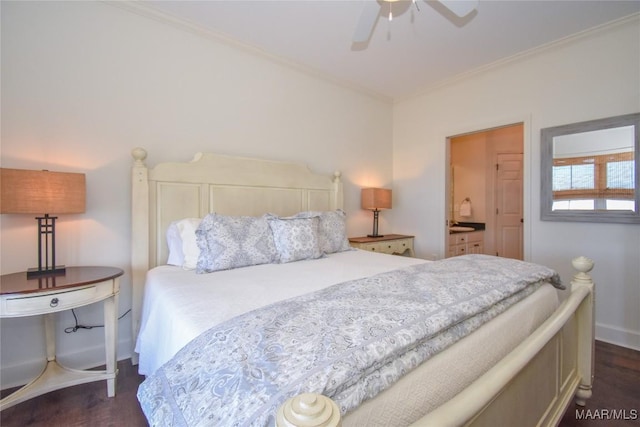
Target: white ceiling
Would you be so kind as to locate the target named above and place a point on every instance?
(416, 50)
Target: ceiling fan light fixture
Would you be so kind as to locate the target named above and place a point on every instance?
(390, 8)
(372, 10)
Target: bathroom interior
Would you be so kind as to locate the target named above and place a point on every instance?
(485, 193)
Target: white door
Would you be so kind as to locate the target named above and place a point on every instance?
(509, 206)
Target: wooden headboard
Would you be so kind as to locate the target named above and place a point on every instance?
(213, 183)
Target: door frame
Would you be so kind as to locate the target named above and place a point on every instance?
(527, 183)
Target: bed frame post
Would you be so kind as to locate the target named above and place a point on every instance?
(586, 334)
(337, 201)
(309, 410)
(139, 238)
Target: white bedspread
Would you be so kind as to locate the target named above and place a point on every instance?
(179, 305)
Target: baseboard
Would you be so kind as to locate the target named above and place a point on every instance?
(20, 374)
(618, 336)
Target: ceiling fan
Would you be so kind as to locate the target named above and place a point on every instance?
(373, 9)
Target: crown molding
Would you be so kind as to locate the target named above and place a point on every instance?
(525, 54)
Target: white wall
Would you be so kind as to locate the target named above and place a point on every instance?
(594, 76)
(469, 163)
(85, 82)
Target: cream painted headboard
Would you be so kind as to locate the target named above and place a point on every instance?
(213, 183)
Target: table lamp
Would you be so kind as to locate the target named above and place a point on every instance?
(42, 192)
(375, 199)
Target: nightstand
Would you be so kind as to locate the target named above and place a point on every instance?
(394, 244)
(47, 295)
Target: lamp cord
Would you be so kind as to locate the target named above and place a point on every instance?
(77, 326)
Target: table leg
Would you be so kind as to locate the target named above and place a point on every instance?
(111, 337)
(50, 336)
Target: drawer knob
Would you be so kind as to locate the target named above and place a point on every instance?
(54, 302)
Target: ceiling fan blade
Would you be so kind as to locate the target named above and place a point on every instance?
(460, 7)
(367, 22)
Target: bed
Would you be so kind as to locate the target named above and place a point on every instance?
(525, 363)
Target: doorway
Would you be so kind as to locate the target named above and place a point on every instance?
(486, 171)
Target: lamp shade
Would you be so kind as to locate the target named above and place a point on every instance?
(39, 192)
(376, 198)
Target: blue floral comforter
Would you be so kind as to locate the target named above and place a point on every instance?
(349, 341)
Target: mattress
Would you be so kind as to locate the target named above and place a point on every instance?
(179, 305)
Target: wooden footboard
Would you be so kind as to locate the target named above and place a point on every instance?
(532, 385)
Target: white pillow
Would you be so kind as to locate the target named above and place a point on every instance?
(183, 246)
(190, 249)
(174, 242)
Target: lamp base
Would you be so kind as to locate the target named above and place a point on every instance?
(35, 272)
(375, 235)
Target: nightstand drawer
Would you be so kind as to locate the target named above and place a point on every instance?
(25, 305)
(393, 244)
(400, 246)
(373, 247)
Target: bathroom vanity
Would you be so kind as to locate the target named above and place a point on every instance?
(466, 238)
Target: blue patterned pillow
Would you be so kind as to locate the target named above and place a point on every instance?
(295, 238)
(332, 230)
(233, 241)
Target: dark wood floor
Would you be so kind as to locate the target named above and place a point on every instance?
(617, 388)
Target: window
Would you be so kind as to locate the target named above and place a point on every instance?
(594, 182)
(573, 177)
(620, 174)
